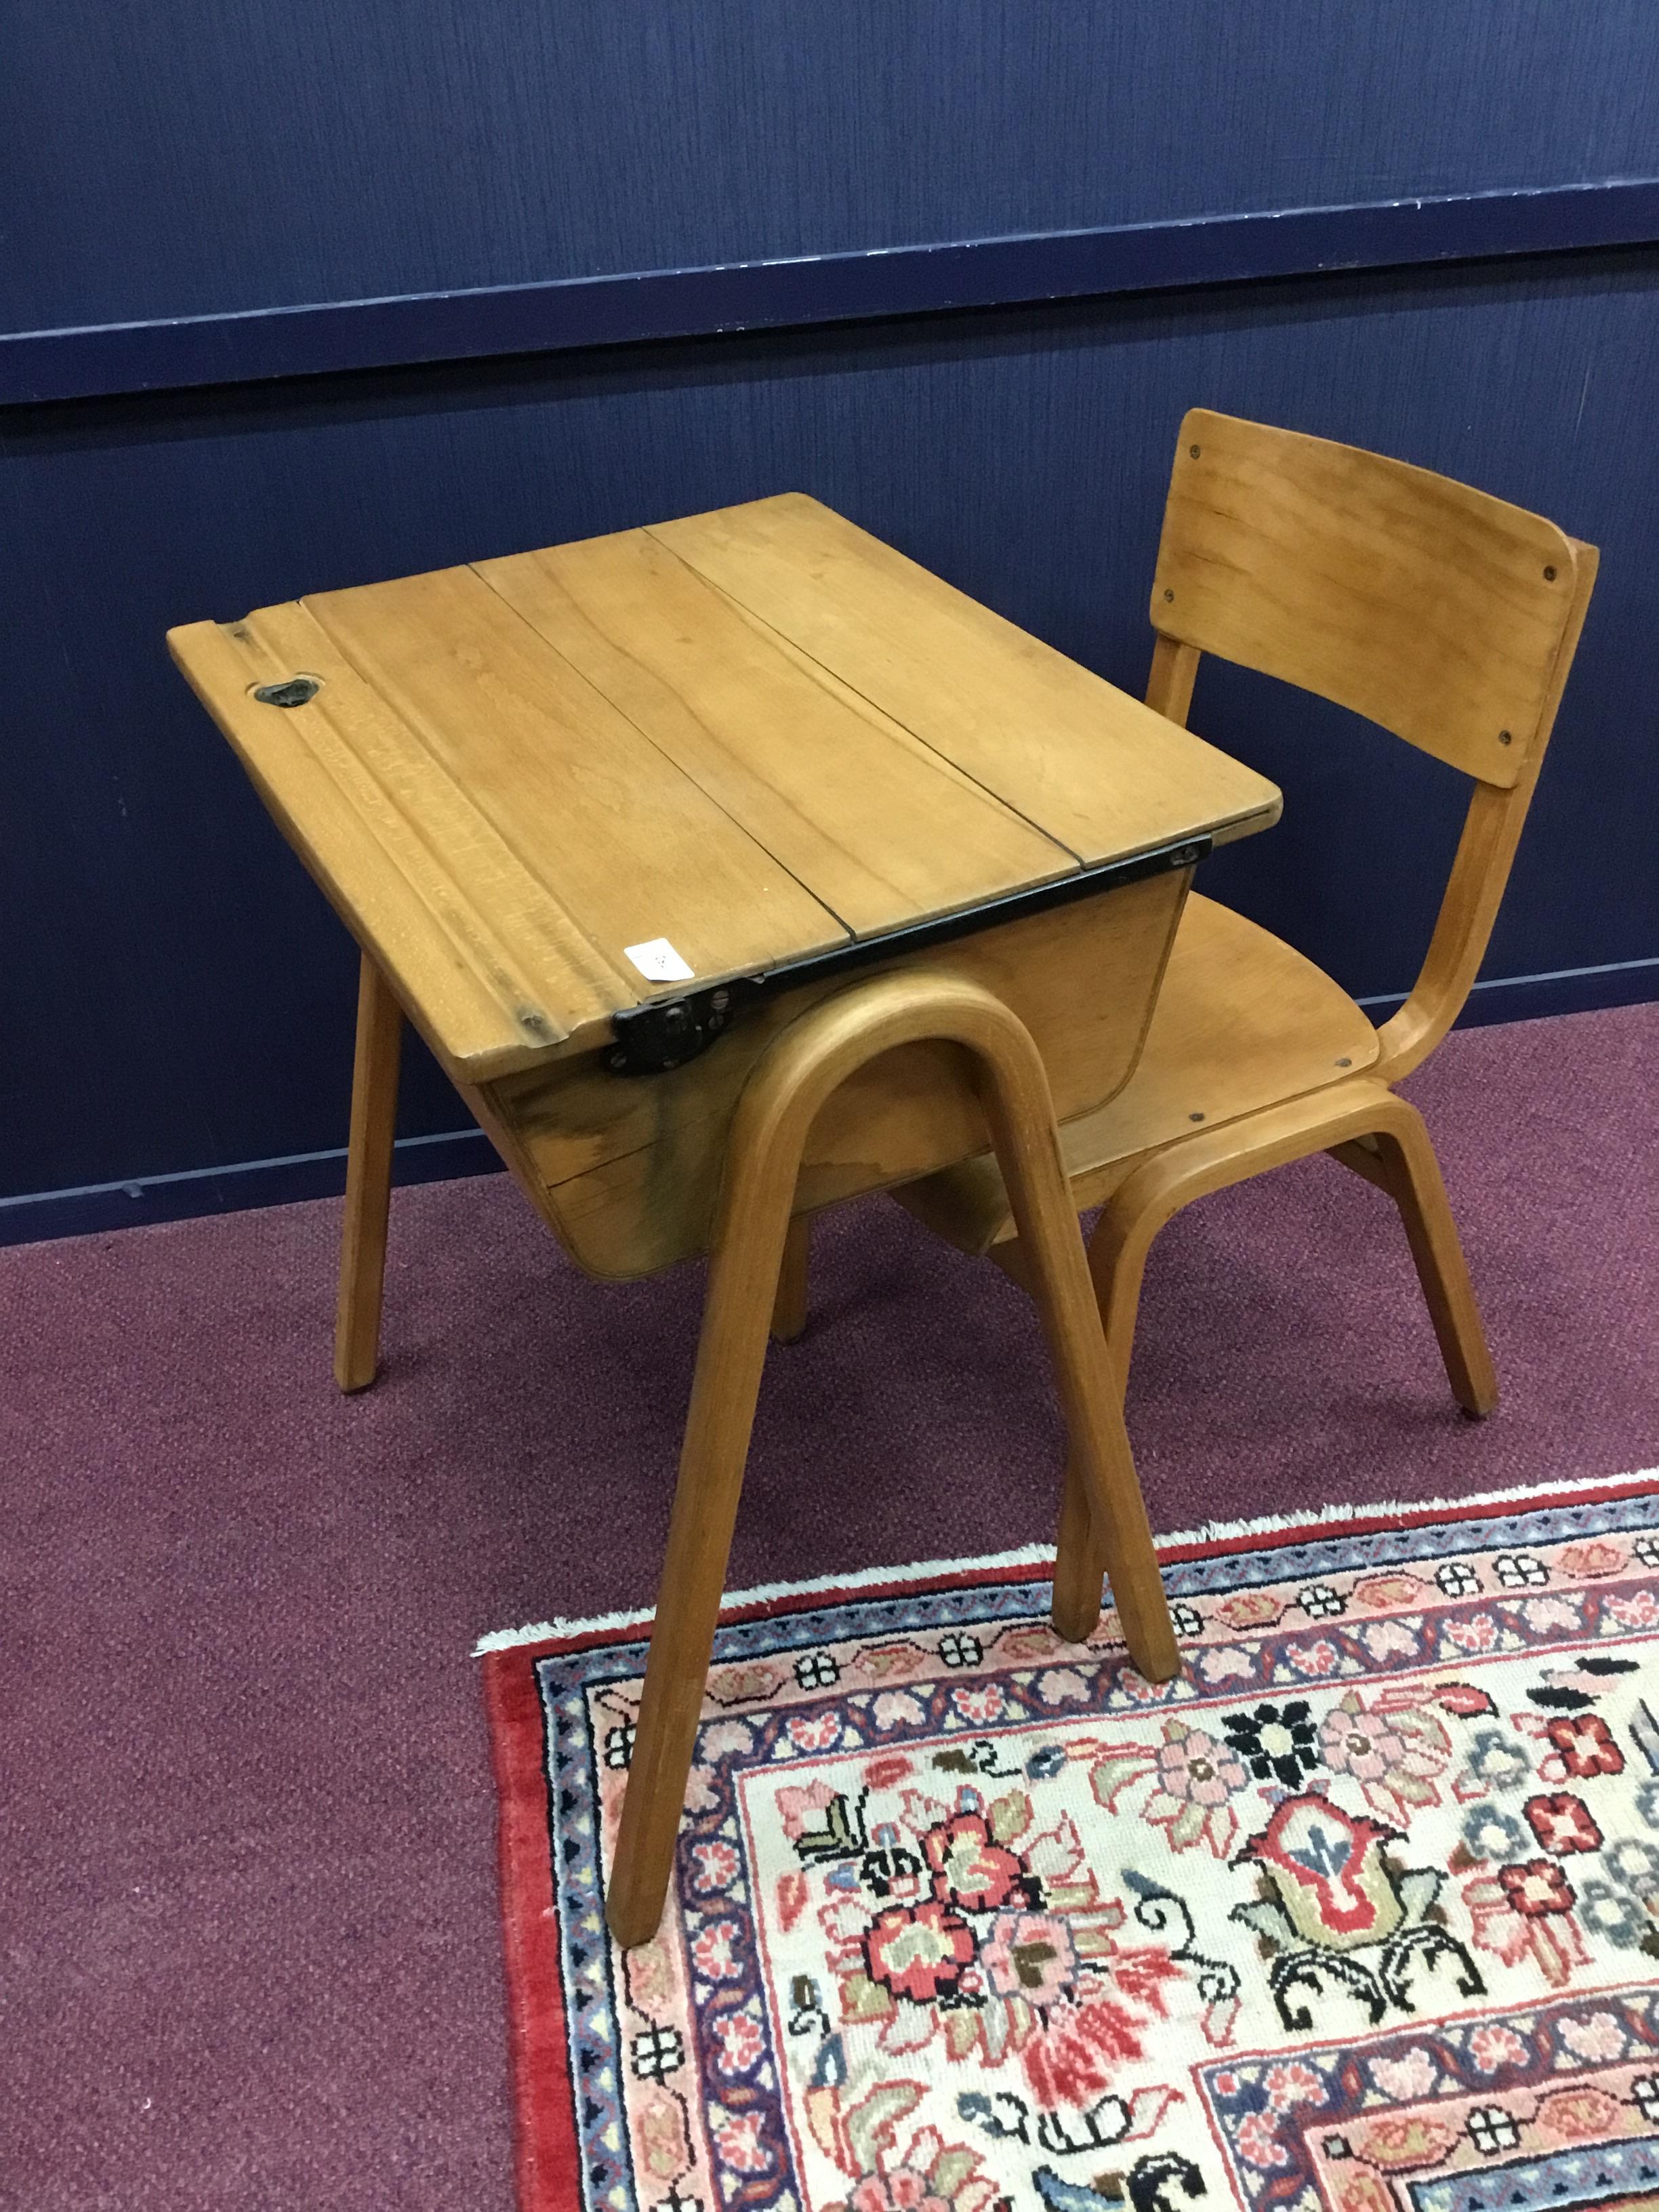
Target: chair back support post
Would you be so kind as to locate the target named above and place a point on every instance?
(1170, 683)
(1480, 876)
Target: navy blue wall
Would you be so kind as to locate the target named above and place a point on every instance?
(175, 996)
(226, 154)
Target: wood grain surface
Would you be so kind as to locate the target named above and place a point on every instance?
(882, 828)
(1418, 602)
(512, 778)
(1094, 768)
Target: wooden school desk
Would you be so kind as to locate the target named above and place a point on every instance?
(732, 868)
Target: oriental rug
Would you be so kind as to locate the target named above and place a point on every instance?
(1359, 1915)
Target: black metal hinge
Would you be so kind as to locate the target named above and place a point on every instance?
(666, 1033)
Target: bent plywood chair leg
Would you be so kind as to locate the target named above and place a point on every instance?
(1400, 1159)
(1117, 1263)
(1098, 1444)
(769, 1132)
(1339, 1120)
(1079, 1563)
(789, 1307)
(368, 1180)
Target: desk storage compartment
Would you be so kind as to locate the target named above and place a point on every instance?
(626, 1170)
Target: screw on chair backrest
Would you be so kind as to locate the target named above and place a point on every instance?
(1447, 616)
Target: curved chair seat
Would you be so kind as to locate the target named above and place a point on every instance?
(1243, 1022)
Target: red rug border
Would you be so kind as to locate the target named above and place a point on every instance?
(545, 2149)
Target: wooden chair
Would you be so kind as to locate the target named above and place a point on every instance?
(1450, 618)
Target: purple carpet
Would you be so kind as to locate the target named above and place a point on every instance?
(251, 1955)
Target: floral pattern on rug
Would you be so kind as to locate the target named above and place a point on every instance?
(1361, 1913)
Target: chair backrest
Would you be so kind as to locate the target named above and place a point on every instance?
(1432, 609)
(1447, 616)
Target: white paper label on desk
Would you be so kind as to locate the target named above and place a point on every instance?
(659, 963)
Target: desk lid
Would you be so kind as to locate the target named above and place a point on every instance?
(550, 787)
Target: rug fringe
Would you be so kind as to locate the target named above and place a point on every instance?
(1378, 1512)
(538, 1631)
(1542, 1494)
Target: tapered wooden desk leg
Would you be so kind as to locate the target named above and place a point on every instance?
(789, 1312)
(769, 1129)
(730, 1352)
(368, 1180)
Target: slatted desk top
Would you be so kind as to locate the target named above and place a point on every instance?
(750, 736)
